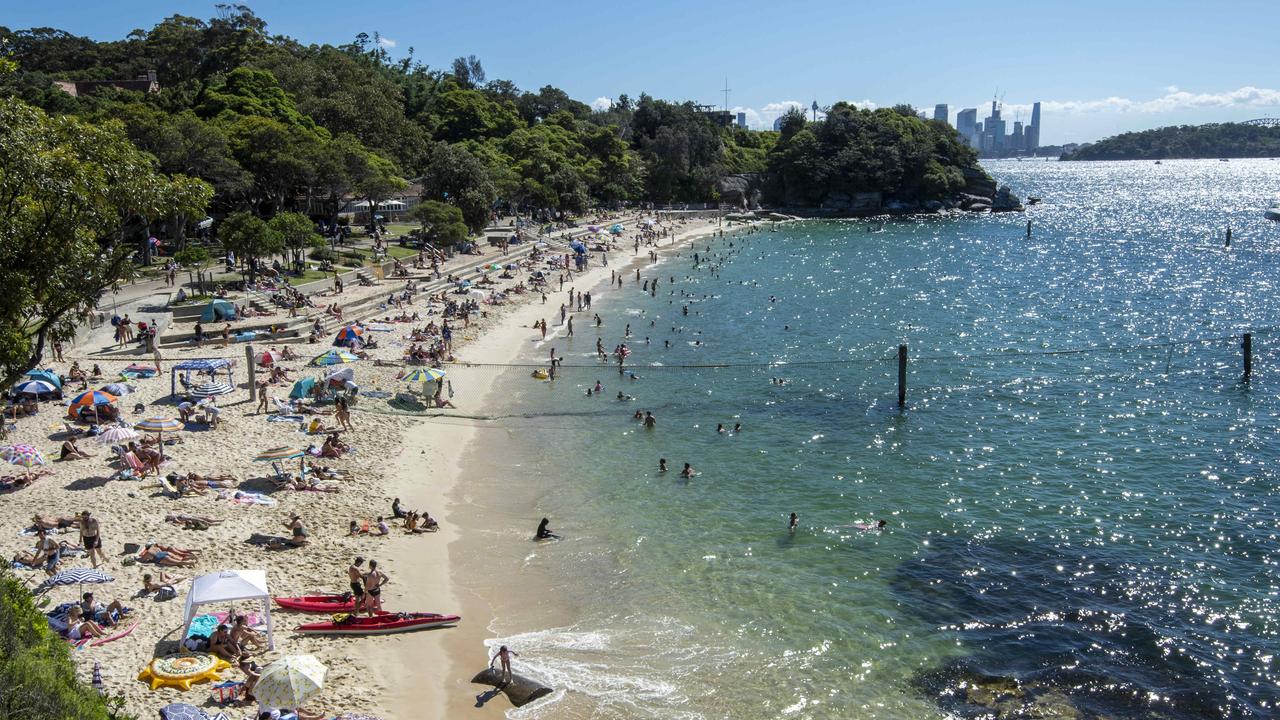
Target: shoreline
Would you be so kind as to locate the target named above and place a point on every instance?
(457, 447)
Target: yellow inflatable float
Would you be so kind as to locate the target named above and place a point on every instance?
(182, 670)
(541, 374)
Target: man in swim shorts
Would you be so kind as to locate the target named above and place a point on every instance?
(356, 576)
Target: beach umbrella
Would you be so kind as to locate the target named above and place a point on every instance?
(302, 388)
(210, 389)
(117, 435)
(28, 456)
(77, 576)
(159, 426)
(347, 334)
(35, 387)
(117, 389)
(46, 375)
(593, 228)
(91, 398)
(341, 374)
(464, 283)
(182, 711)
(429, 374)
(268, 358)
(290, 681)
(616, 229)
(334, 357)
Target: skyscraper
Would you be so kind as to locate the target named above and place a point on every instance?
(742, 120)
(1033, 130)
(993, 139)
(940, 112)
(967, 125)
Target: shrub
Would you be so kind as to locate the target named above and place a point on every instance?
(323, 253)
(36, 673)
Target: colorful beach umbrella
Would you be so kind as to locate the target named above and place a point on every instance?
(347, 334)
(35, 387)
(334, 357)
(76, 576)
(27, 456)
(210, 389)
(267, 358)
(117, 435)
(290, 681)
(429, 374)
(92, 398)
(340, 375)
(616, 229)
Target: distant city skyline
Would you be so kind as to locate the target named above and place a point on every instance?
(1099, 68)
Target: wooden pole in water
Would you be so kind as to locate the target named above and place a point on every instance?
(253, 382)
(1028, 229)
(902, 376)
(1247, 346)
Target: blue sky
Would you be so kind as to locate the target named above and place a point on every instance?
(1098, 67)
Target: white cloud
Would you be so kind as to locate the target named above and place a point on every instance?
(1173, 100)
(601, 104)
(386, 42)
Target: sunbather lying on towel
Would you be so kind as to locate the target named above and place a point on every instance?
(167, 556)
(50, 523)
(154, 584)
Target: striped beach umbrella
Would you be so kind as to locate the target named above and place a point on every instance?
(77, 576)
(27, 456)
(117, 435)
(290, 681)
(428, 374)
(280, 453)
(35, 387)
(92, 398)
(210, 389)
(159, 426)
(117, 389)
(334, 357)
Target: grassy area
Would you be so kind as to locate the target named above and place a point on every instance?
(193, 300)
(308, 275)
(396, 251)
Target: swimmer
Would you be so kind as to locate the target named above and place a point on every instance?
(544, 532)
(795, 522)
(688, 471)
(720, 428)
(737, 428)
(662, 465)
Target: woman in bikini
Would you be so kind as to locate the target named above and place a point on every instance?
(79, 628)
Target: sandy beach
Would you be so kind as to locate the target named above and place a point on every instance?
(425, 461)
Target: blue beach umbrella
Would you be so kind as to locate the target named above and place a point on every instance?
(302, 388)
(616, 229)
(47, 375)
(349, 333)
(425, 375)
(35, 387)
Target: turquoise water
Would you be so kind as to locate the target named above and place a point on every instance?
(1099, 526)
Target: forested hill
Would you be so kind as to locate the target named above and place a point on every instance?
(1226, 140)
(274, 125)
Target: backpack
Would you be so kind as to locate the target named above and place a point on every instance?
(115, 321)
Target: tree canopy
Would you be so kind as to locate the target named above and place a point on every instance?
(1225, 140)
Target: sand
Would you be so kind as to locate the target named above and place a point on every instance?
(423, 460)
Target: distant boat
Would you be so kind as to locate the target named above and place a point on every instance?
(1158, 162)
(1273, 212)
(1223, 160)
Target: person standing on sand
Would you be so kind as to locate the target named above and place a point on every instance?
(543, 326)
(374, 581)
(505, 656)
(91, 538)
(264, 398)
(343, 413)
(355, 576)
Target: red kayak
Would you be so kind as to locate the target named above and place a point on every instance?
(318, 603)
(383, 623)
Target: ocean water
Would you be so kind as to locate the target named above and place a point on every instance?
(1081, 494)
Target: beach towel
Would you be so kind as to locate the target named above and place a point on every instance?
(375, 394)
(203, 625)
(239, 497)
(285, 418)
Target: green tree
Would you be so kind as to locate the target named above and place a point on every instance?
(250, 238)
(455, 175)
(375, 179)
(75, 194)
(297, 233)
(36, 671)
(195, 258)
(441, 223)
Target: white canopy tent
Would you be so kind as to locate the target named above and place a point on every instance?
(228, 586)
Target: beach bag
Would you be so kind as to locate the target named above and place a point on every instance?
(166, 593)
(228, 691)
(115, 321)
